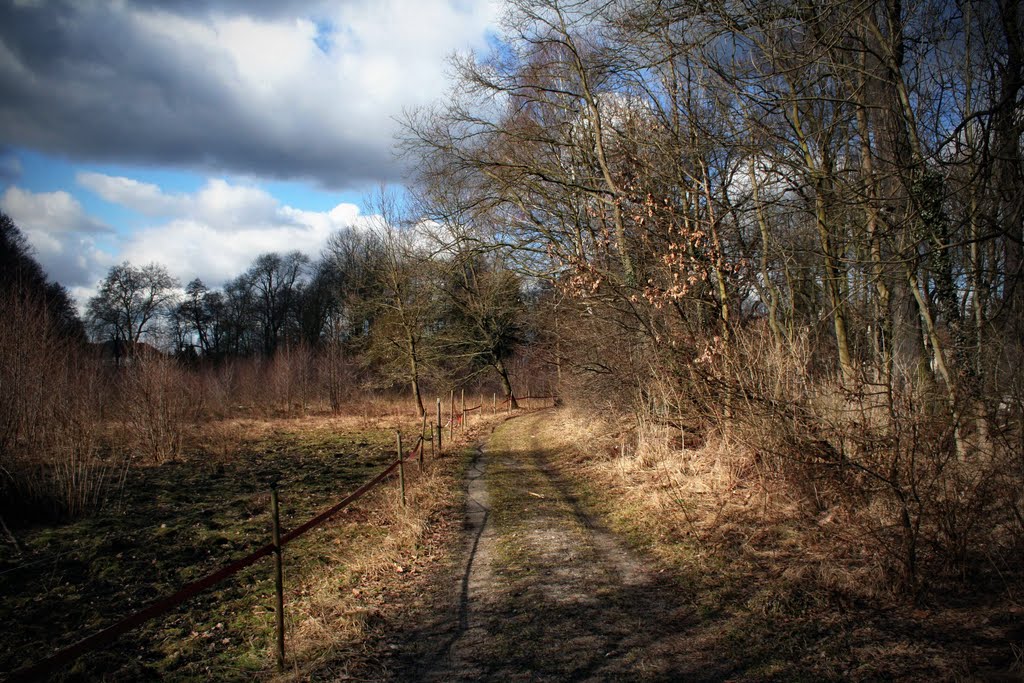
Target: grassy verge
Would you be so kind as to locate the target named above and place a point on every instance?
(400, 593)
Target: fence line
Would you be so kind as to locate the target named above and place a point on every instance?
(110, 633)
(189, 590)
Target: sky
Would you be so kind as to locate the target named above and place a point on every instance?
(201, 134)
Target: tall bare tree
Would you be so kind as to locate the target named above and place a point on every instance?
(130, 300)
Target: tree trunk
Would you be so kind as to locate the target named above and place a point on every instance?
(834, 275)
(414, 380)
(505, 382)
(417, 397)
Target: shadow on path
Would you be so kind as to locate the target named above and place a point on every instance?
(546, 594)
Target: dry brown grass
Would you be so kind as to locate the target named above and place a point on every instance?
(760, 544)
(223, 437)
(720, 497)
(373, 545)
(373, 559)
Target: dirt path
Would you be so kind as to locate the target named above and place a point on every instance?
(543, 592)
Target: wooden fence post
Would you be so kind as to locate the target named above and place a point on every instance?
(422, 446)
(494, 403)
(439, 423)
(401, 466)
(451, 421)
(433, 453)
(275, 517)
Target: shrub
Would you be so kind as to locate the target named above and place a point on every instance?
(160, 400)
(51, 393)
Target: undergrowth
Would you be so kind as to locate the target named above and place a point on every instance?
(797, 590)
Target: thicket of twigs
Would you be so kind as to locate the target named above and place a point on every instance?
(49, 416)
(73, 421)
(893, 482)
(794, 228)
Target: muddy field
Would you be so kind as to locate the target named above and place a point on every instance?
(172, 524)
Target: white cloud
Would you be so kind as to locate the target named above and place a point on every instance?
(145, 198)
(218, 203)
(216, 232)
(221, 204)
(61, 232)
(48, 212)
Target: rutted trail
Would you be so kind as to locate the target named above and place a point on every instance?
(544, 592)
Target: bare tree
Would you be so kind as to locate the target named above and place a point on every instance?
(693, 178)
(130, 300)
(403, 301)
(276, 282)
(485, 315)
